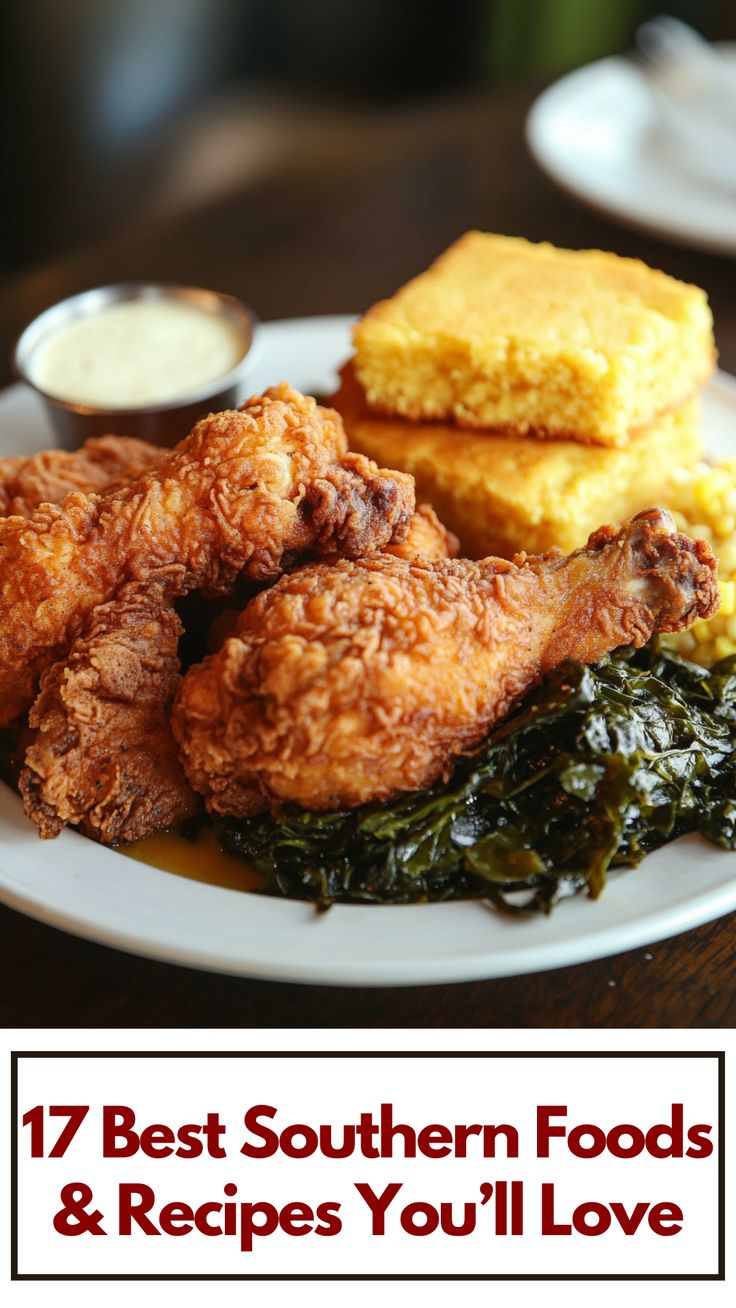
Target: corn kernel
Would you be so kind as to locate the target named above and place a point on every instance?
(710, 487)
(706, 508)
(728, 599)
(701, 529)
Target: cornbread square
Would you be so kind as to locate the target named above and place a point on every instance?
(531, 339)
(501, 494)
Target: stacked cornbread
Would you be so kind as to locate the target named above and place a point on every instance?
(533, 393)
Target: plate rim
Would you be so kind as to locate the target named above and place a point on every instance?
(545, 957)
(535, 139)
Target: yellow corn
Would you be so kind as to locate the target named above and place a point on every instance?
(728, 599)
(707, 509)
(700, 630)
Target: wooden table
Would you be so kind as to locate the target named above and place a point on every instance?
(333, 239)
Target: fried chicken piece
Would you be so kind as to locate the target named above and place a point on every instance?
(244, 492)
(103, 463)
(426, 538)
(357, 681)
(103, 757)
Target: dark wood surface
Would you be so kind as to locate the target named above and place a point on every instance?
(334, 237)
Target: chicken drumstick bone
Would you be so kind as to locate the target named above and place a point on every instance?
(355, 682)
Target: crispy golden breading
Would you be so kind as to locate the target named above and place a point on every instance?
(426, 538)
(500, 494)
(526, 338)
(355, 681)
(102, 756)
(103, 463)
(247, 490)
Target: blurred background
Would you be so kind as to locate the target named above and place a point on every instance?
(123, 112)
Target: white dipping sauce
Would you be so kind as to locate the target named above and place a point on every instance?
(137, 353)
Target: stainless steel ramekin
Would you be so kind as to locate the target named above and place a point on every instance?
(163, 424)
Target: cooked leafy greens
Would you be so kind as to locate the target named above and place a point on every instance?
(598, 766)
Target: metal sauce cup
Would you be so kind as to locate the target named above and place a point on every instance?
(162, 424)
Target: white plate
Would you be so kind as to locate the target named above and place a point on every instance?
(94, 892)
(596, 134)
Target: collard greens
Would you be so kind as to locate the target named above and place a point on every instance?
(597, 767)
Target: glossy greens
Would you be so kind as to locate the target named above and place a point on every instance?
(598, 766)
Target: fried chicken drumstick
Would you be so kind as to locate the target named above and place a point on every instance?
(103, 463)
(426, 538)
(355, 682)
(103, 757)
(245, 493)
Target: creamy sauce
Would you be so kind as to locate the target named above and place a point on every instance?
(199, 860)
(137, 353)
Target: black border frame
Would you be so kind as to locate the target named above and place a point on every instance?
(718, 1055)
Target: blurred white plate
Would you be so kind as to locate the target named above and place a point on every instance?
(596, 133)
(79, 886)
